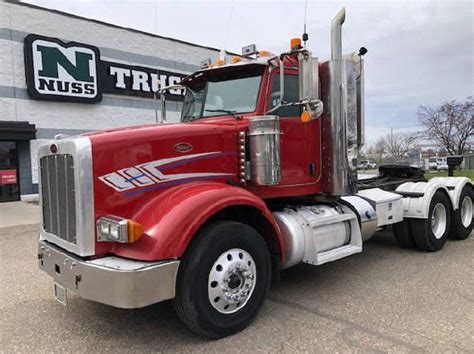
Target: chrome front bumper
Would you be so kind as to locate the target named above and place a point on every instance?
(110, 280)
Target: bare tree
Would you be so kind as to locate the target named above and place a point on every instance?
(369, 151)
(366, 152)
(398, 145)
(451, 124)
(379, 149)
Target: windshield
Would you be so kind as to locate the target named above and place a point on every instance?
(218, 94)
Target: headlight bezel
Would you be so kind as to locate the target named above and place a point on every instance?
(114, 224)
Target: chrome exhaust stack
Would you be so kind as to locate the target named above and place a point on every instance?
(336, 34)
(339, 121)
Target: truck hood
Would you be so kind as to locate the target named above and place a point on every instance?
(154, 130)
(130, 164)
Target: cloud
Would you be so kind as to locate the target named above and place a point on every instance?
(420, 52)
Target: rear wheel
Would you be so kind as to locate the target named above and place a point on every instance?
(462, 220)
(431, 234)
(223, 279)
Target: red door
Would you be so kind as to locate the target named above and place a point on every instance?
(9, 189)
(300, 142)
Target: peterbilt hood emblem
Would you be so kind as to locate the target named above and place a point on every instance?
(151, 174)
(183, 147)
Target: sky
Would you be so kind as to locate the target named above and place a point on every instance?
(419, 52)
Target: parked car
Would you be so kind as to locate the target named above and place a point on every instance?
(432, 163)
(442, 164)
(367, 165)
(437, 163)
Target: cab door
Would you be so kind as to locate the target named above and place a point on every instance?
(300, 142)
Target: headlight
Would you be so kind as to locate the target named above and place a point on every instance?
(104, 228)
(115, 233)
(115, 229)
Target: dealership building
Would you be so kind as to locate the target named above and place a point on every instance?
(65, 74)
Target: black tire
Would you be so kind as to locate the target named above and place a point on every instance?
(423, 234)
(403, 234)
(192, 297)
(458, 230)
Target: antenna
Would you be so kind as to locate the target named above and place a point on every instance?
(228, 25)
(305, 35)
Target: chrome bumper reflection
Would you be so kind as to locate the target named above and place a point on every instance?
(110, 280)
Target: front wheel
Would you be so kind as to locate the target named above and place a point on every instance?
(223, 279)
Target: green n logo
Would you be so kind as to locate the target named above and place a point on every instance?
(53, 57)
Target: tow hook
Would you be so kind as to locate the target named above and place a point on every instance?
(40, 258)
(78, 279)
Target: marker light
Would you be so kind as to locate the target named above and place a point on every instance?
(135, 231)
(264, 53)
(235, 59)
(295, 43)
(115, 229)
(305, 117)
(219, 62)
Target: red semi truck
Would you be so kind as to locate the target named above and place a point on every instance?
(259, 175)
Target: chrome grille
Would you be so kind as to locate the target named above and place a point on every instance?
(58, 196)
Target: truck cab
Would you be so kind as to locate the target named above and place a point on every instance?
(259, 175)
(240, 94)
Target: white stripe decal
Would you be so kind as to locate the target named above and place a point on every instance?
(149, 173)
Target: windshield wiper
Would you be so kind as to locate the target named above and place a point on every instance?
(228, 111)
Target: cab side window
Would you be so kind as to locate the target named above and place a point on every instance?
(291, 89)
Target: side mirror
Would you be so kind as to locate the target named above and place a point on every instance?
(279, 64)
(309, 83)
(162, 93)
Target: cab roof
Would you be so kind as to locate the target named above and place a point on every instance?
(244, 62)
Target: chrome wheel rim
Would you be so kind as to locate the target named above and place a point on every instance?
(466, 212)
(438, 220)
(231, 281)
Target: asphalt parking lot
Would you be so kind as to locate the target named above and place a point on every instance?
(385, 299)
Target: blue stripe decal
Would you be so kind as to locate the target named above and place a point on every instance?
(131, 179)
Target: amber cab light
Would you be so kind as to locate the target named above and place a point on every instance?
(305, 117)
(264, 53)
(295, 43)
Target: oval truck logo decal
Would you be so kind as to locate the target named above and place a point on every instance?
(151, 174)
(183, 147)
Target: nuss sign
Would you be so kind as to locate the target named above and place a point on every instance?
(61, 71)
(73, 72)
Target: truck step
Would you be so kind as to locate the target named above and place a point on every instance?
(337, 253)
(317, 222)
